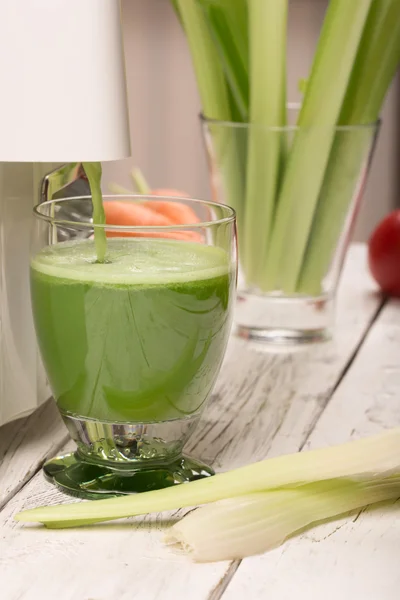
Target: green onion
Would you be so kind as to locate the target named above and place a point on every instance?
(368, 459)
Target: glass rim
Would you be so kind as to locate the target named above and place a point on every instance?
(229, 218)
(285, 128)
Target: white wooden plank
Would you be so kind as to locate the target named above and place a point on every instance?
(24, 446)
(264, 402)
(355, 557)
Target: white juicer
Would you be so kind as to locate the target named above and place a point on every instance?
(63, 101)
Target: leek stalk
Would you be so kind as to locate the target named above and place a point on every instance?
(239, 527)
(367, 459)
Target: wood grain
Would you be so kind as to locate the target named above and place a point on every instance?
(355, 557)
(24, 446)
(265, 403)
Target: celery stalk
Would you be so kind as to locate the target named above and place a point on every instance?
(248, 525)
(228, 22)
(119, 190)
(268, 32)
(140, 183)
(326, 89)
(369, 458)
(209, 73)
(215, 95)
(376, 65)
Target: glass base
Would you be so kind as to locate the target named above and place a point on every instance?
(284, 320)
(76, 476)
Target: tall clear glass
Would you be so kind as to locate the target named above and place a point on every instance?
(131, 346)
(297, 193)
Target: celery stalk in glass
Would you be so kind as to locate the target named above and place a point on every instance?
(215, 96)
(268, 33)
(209, 73)
(228, 23)
(376, 64)
(308, 159)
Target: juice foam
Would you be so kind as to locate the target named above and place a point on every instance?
(132, 262)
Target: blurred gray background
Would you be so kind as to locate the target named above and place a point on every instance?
(164, 106)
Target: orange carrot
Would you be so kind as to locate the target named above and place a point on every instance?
(141, 215)
(177, 212)
(169, 193)
(188, 236)
(131, 213)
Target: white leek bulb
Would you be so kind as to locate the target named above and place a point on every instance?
(239, 527)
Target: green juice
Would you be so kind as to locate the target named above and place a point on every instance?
(138, 338)
(93, 172)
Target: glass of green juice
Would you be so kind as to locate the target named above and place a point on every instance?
(132, 346)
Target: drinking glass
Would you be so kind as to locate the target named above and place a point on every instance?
(132, 346)
(296, 212)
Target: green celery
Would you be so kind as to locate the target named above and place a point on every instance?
(140, 183)
(216, 96)
(228, 22)
(268, 33)
(376, 65)
(208, 70)
(176, 9)
(308, 159)
(119, 190)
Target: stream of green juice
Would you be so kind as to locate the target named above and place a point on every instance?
(93, 173)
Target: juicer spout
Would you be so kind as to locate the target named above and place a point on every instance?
(65, 181)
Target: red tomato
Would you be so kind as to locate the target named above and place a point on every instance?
(384, 254)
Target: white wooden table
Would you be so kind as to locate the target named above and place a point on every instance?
(264, 404)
